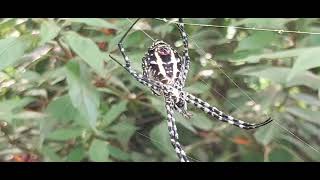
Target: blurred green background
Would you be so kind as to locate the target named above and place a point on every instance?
(63, 99)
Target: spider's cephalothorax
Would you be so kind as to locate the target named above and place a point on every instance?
(162, 63)
(165, 72)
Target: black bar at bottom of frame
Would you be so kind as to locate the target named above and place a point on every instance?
(159, 170)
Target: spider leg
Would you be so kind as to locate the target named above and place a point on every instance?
(146, 75)
(185, 55)
(213, 111)
(173, 132)
(121, 48)
(185, 113)
(153, 85)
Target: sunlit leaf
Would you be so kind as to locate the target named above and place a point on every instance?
(48, 31)
(11, 50)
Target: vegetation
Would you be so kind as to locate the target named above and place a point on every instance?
(63, 99)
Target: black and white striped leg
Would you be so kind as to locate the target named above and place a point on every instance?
(213, 111)
(153, 85)
(186, 56)
(173, 132)
(121, 48)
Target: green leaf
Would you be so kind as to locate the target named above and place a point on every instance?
(309, 59)
(305, 114)
(62, 109)
(123, 130)
(83, 95)
(280, 74)
(266, 134)
(118, 153)
(197, 88)
(160, 138)
(87, 50)
(11, 50)
(28, 115)
(309, 99)
(50, 155)
(10, 108)
(276, 55)
(250, 155)
(158, 105)
(99, 151)
(48, 31)
(280, 155)
(270, 23)
(64, 134)
(187, 123)
(257, 40)
(201, 121)
(94, 22)
(76, 155)
(114, 112)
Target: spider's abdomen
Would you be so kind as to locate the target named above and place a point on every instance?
(162, 63)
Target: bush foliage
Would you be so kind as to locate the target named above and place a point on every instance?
(63, 99)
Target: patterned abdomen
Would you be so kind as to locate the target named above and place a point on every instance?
(162, 63)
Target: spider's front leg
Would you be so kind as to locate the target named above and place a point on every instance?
(216, 113)
(185, 54)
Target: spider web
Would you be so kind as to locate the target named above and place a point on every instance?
(203, 53)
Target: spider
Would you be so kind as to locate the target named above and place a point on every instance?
(165, 72)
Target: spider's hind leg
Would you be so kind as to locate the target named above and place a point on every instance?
(213, 111)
